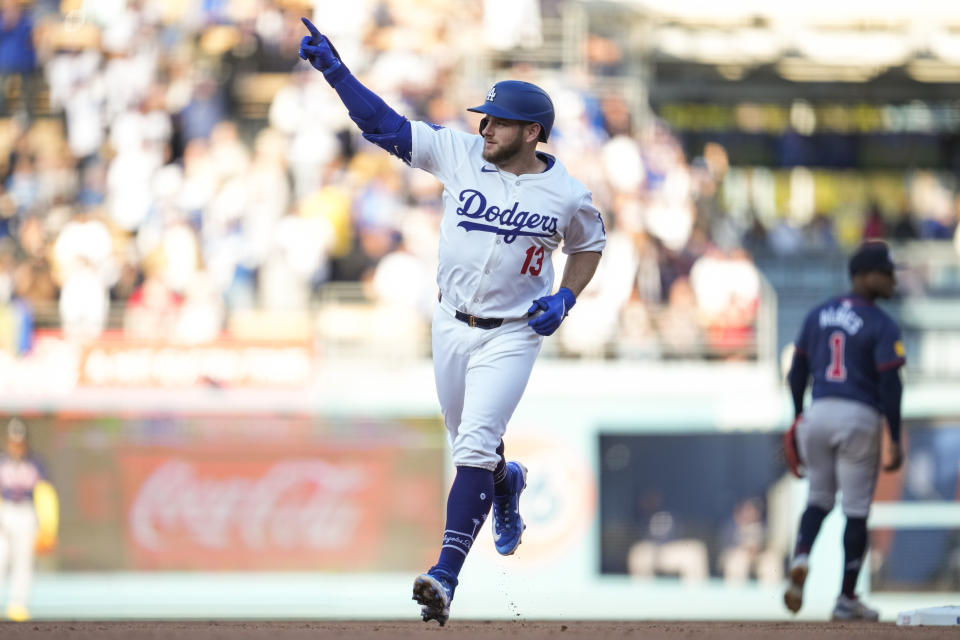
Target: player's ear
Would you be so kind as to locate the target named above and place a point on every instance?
(533, 132)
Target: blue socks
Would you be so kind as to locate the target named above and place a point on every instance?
(500, 475)
(467, 507)
(854, 544)
(810, 523)
(854, 547)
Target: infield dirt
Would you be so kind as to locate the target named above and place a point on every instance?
(465, 629)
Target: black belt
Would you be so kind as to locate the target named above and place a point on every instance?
(474, 321)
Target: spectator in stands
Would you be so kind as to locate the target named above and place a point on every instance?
(18, 55)
(83, 258)
(85, 241)
(785, 238)
(152, 310)
(727, 290)
(8, 263)
(678, 322)
(311, 124)
(295, 262)
(905, 227)
(16, 318)
(664, 548)
(77, 89)
(33, 283)
(956, 239)
(874, 227)
(512, 23)
(200, 317)
(23, 185)
(84, 303)
(820, 235)
(204, 110)
(744, 551)
(935, 207)
(594, 330)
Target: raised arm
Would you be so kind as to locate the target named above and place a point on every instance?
(379, 123)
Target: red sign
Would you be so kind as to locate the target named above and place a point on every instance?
(284, 512)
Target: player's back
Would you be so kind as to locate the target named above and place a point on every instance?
(848, 341)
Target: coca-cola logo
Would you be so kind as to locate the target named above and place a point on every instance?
(293, 504)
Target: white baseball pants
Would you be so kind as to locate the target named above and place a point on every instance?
(480, 376)
(18, 533)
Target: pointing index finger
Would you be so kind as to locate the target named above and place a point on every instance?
(314, 32)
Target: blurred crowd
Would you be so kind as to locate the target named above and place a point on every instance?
(139, 193)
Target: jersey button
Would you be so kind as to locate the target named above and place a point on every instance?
(498, 242)
(487, 271)
(476, 299)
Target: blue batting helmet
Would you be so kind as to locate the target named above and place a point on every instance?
(518, 100)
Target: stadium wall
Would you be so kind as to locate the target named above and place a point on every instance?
(361, 458)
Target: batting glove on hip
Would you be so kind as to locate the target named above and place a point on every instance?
(317, 49)
(554, 309)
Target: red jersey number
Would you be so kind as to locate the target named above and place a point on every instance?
(534, 262)
(837, 370)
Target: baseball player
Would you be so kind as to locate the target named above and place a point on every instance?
(853, 351)
(20, 474)
(506, 207)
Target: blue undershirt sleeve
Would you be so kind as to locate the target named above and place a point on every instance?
(891, 394)
(379, 123)
(797, 378)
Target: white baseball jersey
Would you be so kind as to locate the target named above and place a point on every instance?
(499, 229)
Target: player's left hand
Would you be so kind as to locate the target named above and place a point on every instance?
(791, 453)
(896, 457)
(317, 49)
(554, 308)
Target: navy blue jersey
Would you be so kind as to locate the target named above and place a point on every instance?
(848, 341)
(19, 477)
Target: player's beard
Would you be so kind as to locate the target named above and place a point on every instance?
(504, 151)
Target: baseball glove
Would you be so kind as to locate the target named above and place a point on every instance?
(791, 454)
(47, 505)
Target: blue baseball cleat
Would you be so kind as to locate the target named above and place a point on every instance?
(434, 590)
(507, 524)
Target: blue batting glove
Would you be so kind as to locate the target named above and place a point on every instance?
(317, 49)
(554, 308)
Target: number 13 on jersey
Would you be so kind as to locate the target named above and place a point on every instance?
(534, 262)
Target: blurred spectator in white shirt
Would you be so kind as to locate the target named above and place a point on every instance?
(403, 280)
(201, 315)
(509, 24)
(310, 121)
(77, 87)
(727, 289)
(85, 241)
(591, 330)
(84, 302)
(296, 259)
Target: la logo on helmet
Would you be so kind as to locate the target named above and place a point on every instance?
(491, 94)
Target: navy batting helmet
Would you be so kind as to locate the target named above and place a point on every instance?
(518, 100)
